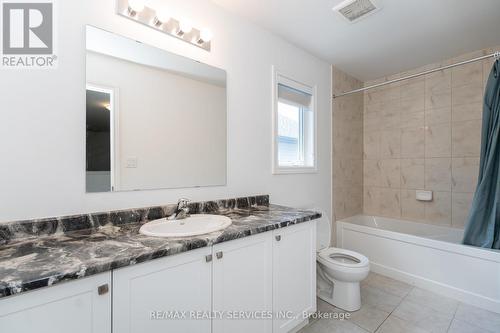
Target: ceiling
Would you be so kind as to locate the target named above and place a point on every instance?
(405, 34)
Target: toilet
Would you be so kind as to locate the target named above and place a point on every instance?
(339, 271)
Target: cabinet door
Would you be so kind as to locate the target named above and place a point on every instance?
(73, 306)
(294, 275)
(161, 295)
(242, 285)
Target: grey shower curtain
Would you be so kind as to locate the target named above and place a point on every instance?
(483, 226)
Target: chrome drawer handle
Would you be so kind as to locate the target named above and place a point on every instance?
(219, 255)
(278, 238)
(208, 258)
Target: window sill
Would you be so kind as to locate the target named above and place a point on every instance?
(294, 170)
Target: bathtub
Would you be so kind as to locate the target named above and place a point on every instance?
(428, 256)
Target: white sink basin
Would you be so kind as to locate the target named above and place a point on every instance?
(194, 225)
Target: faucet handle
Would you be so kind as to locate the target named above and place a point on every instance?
(183, 203)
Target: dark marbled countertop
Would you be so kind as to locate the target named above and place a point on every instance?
(36, 262)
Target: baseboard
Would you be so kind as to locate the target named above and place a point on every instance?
(438, 288)
(300, 326)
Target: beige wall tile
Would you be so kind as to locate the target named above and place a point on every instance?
(466, 138)
(412, 104)
(438, 116)
(438, 81)
(412, 143)
(372, 123)
(461, 204)
(412, 120)
(412, 173)
(390, 173)
(390, 143)
(390, 118)
(464, 174)
(438, 211)
(347, 147)
(467, 94)
(439, 99)
(467, 74)
(465, 112)
(438, 140)
(411, 208)
(413, 88)
(371, 201)
(372, 174)
(371, 145)
(390, 202)
(438, 174)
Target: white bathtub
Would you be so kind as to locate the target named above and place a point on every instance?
(428, 256)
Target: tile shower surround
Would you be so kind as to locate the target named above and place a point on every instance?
(424, 133)
(347, 172)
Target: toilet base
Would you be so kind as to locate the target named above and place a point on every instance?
(343, 295)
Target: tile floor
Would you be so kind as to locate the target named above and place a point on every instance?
(391, 306)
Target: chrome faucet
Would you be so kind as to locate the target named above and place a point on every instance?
(182, 210)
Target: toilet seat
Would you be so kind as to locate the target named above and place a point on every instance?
(344, 258)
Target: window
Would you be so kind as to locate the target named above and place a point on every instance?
(294, 127)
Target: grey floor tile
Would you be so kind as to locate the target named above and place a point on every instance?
(332, 326)
(423, 317)
(394, 324)
(388, 285)
(436, 302)
(458, 326)
(369, 317)
(484, 319)
(376, 297)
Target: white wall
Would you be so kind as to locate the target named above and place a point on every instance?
(42, 124)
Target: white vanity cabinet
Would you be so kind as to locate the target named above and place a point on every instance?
(294, 275)
(74, 306)
(235, 286)
(242, 284)
(160, 296)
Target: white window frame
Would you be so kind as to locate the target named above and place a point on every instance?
(280, 78)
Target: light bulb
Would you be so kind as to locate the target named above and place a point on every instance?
(162, 16)
(185, 27)
(135, 6)
(205, 36)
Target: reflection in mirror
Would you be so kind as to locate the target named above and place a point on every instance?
(154, 119)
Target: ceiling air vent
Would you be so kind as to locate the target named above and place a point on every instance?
(353, 10)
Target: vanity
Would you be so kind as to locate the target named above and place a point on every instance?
(101, 275)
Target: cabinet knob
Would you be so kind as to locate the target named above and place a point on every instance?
(278, 238)
(219, 255)
(208, 258)
(104, 289)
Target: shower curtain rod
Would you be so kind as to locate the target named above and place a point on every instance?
(495, 55)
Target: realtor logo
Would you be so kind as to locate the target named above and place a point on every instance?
(28, 34)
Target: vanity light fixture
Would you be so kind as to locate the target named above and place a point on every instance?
(184, 28)
(135, 7)
(205, 36)
(160, 19)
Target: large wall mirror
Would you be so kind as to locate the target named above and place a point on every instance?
(154, 119)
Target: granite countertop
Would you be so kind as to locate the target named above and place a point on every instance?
(38, 261)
